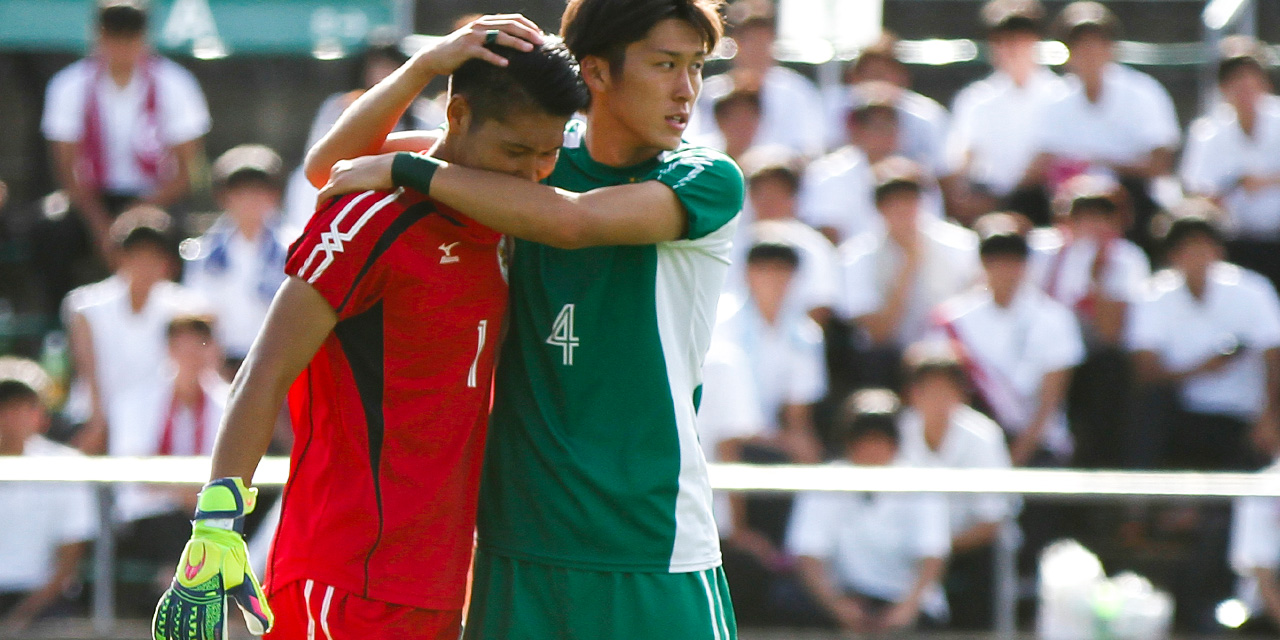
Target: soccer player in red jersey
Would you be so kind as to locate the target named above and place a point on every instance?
(383, 337)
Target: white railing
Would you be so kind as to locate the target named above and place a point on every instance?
(1059, 484)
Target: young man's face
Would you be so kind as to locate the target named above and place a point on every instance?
(935, 394)
(22, 418)
(1098, 225)
(1004, 273)
(121, 53)
(1013, 50)
(193, 353)
(651, 95)
(738, 123)
(872, 450)
(1195, 254)
(250, 203)
(1091, 51)
(755, 47)
(875, 132)
(772, 199)
(145, 263)
(524, 143)
(900, 211)
(768, 282)
(1245, 88)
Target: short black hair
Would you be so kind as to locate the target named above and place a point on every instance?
(12, 391)
(1088, 194)
(143, 226)
(999, 236)
(895, 175)
(1239, 53)
(745, 91)
(122, 18)
(1086, 16)
(198, 324)
(869, 412)
(605, 28)
(545, 79)
(773, 162)
(1187, 226)
(1012, 16)
(248, 164)
(929, 359)
(773, 251)
(22, 380)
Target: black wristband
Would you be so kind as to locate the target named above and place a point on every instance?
(414, 171)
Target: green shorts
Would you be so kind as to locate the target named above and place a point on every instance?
(520, 600)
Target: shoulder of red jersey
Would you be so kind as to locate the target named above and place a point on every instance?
(343, 240)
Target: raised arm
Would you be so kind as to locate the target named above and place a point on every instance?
(364, 126)
(297, 324)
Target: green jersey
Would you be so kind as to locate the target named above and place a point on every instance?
(593, 459)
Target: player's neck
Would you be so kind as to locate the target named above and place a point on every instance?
(444, 150)
(610, 142)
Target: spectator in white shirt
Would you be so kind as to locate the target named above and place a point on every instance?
(124, 126)
(240, 261)
(177, 417)
(117, 326)
(994, 125)
(773, 179)
(837, 196)
(785, 349)
(791, 107)
(1086, 264)
(737, 114)
(1255, 556)
(44, 537)
(381, 57)
(1211, 330)
(1111, 120)
(1018, 344)
(872, 562)
(1233, 156)
(923, 122)
(940, 430)
(893, 279)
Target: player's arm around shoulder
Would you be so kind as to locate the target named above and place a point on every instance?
(691, 194)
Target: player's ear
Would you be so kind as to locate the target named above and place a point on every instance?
(595, 72)
(459, 114)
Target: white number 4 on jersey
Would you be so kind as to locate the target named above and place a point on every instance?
(562, 334)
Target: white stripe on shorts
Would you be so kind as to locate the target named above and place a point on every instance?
(715, 581)
(324, 613)
(711, 605)
(306, 604)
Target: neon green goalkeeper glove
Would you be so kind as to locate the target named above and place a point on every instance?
(214, 567)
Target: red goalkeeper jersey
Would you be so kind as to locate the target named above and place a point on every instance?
(389, 417)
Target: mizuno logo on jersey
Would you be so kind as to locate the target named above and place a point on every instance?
(448, 257)
(334, 240)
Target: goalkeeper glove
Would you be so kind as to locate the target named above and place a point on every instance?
(213, 568)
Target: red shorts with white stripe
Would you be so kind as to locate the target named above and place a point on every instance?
(308, 610)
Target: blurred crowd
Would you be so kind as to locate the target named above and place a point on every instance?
(1050, 273)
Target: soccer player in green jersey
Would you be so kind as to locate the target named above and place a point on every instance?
(595, 511)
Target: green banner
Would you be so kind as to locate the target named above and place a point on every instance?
(208, 28)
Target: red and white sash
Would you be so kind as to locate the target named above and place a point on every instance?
(149, 150)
